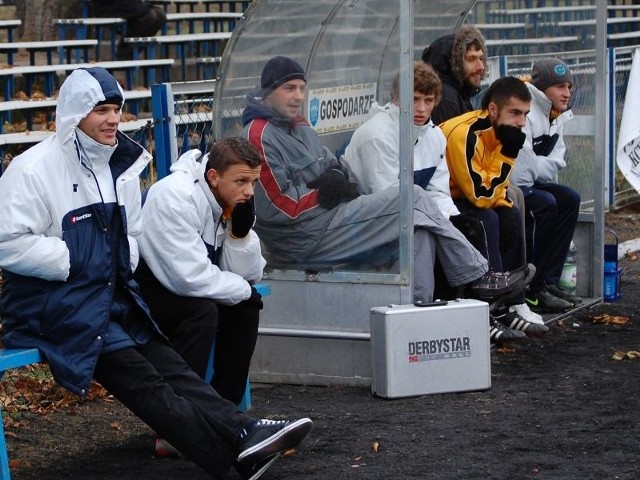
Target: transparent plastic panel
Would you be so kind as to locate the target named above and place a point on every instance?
(350, 50)
(518, 35)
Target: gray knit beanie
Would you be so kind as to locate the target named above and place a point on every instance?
(280, 70)
(550, 71)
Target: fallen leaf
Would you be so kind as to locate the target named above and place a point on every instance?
(116, 425)
(618, 355)
(607, 319)
(289, 453)
(375, 447)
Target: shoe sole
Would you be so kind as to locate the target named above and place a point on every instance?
(287, 438)
(264, 468)
(503, 337)
(527, 327)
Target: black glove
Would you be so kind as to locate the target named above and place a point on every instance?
(255, 300)
(508, 231)
(242, 218)
(511, 138)
(333, 188)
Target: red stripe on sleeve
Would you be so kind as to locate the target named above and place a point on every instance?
(283, 202)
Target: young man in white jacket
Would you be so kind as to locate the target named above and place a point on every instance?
(372, 157)
(68, 249)
(199, 257)
(551, 209)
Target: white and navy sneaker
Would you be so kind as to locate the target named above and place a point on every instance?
(267, 438)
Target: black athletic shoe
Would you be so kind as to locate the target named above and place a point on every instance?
(498, 333)
(267, 438)
(255, 471)
(493, 286)
(544, 301)
(514, 322)
(563, 294)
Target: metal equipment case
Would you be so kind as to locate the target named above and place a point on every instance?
(433, 349)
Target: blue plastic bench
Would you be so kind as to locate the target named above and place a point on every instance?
(10, 358)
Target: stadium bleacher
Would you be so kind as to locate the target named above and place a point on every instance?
(197, 30)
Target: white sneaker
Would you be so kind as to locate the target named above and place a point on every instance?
(525, 313)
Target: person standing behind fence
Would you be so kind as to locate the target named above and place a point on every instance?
(143, 19)
(551, 209)
(68, 248)
(199, 256)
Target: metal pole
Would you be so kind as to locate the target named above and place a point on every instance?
(406, 151)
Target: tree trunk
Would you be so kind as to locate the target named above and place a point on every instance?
(37, 19)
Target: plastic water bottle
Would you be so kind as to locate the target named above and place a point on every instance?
(610, 286)
(569, 276)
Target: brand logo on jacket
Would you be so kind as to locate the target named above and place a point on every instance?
(79, 218)
(439, 349)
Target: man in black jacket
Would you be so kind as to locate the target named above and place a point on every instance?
(460, 61)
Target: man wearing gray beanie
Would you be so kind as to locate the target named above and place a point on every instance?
(551, 209)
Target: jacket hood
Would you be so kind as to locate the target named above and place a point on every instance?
(464, 37)
(446, 56)
(438, 55)
(194, 164)
(539, 98)
(256, 109)
(79, 94)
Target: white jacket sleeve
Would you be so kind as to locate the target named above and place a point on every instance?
(26, 246)
(243, 256)
(438, 187)
(172, 246)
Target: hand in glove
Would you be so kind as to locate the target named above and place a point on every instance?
(242, 219)
(255, 300)
(333, 188)
(511, 138)
(508, 232)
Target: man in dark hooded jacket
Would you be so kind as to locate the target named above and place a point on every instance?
(460, 61)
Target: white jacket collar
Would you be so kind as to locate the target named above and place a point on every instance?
(542, 101)
(193, 163)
